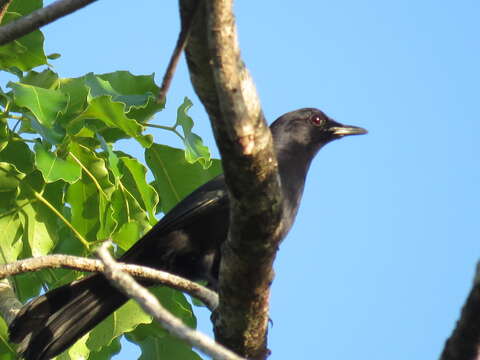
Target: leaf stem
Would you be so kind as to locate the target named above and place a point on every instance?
(89, 174)
(66, 222)
(169, 128)
(55, 211)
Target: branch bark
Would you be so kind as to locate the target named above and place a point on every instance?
(464, 343)
(125, 283)
(207, 296)
(39, 18)
(227, 91)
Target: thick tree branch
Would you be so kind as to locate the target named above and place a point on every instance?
(207, 296)
(464, 343)
(198, 56)
(226, 89)
(39, 18)
(126, 284)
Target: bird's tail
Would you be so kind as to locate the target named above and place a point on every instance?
(52, 322)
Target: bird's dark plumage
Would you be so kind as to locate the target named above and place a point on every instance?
(186, 241)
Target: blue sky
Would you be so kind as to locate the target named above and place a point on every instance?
(385, 244)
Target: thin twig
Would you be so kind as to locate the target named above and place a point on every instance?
(179, 47)
(39, 18)
(150, 304)
(207, 296)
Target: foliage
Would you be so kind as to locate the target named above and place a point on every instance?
(64, 188)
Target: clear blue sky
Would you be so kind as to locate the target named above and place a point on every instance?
(385, 244)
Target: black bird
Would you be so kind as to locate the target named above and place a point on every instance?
(186, 242)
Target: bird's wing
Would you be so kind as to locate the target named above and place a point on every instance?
(210, 197)
(206, 203)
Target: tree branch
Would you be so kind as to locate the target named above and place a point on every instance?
(182, 40)
(464, 343)
(207, 296)
(39, 18)
(227, 91)
(126, 284)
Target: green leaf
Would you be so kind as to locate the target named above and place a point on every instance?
(127, 235)
(107, 352)
(141, 87)
(10, 179)
(18, 154)
(126, 209)
(175, 178)
(46, 105)
(3, 134)
(112, 114)
(25, 7)
(77, 93)
(53, 56)
(166, 347)
(35, 232)
(100, 85)
(47, 79)
(106, 219)
(6, 351)
(11, 241)
(194, 148)
(95, 165)
(12, 248)
(157, 343)
(54, 168)
(126, 319)
(83, 198)
(112, 158)
(40, 224)
(24, 53)
(134, 179)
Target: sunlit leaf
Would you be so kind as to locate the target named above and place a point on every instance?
(3, 135)
(194, 148)
(126, 319)
(175, 178)
(157, 343)
(18, 154)
(46, 105)
(112, 114)
(54, 168)
(127, 235)
(10, 179)
(46, 79)
(134, 179)
(106, 352)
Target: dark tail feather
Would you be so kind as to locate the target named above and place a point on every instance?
(51, 323)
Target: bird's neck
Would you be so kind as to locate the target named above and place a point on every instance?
(293, 165)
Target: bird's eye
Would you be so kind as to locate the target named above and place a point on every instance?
(317, 120)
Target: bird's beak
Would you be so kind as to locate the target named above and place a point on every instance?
(344, 130)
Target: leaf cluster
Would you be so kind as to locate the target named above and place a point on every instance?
(65, 185)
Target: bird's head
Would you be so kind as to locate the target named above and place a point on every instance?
(309, 129)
